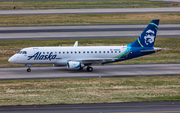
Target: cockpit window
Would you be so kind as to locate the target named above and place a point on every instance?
(19, 52)
(22, 52)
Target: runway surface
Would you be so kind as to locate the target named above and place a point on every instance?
(90, 11)
(83, 32)
(133, 70)
(138, 107)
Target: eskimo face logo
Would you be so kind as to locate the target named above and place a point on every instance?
(149, 37)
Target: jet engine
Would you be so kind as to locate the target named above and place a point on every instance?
(74, 65)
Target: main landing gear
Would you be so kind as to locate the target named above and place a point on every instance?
(29, 67)
(90, 69)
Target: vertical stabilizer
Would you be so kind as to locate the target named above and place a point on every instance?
(148, 36)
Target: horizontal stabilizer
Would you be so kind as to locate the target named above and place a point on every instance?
(152, 50)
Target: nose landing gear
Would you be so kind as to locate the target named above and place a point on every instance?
(28, 70)
(29, 67)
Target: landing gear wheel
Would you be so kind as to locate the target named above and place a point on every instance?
(90, 69)
(28, 67)
(29, 70)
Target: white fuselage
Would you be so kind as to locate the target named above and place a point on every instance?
(62, 55)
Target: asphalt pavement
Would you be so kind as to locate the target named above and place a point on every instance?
(135, 107)
(90, 11)
(126, 70)
(83, 32)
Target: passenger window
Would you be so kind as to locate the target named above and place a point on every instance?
(59, 52)
(111, 51)
(79, 52)
(67, 52)
(107, 51)
(83, 51)
(75, 52)
(47, 52)
(119, 51)
(104, 52)
(115, 51)
(55, 52)
(95, 51)
(99, 51)
(71, 52)
(51, 52)
(43, 52)
(91, 51)
(87, 51)
(63, 52)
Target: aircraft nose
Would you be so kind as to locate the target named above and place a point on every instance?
(12, 59)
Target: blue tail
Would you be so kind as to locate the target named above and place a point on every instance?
(148, 36)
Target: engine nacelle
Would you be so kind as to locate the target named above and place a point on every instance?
(72, 65)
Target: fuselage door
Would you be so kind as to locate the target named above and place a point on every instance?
(35, 50)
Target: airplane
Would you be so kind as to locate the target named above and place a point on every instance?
(79, 57)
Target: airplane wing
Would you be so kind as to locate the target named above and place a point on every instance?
(95, 60)
(152, 50)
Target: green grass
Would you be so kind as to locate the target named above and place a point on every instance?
(88, 19)
(82, 7)
(80, 2)
(171, 55)
(89, 90)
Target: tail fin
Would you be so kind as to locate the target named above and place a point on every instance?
(148, 36)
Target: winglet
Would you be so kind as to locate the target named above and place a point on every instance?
(76, 44)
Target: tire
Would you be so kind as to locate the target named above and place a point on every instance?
(90, 69)
(28, 70)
